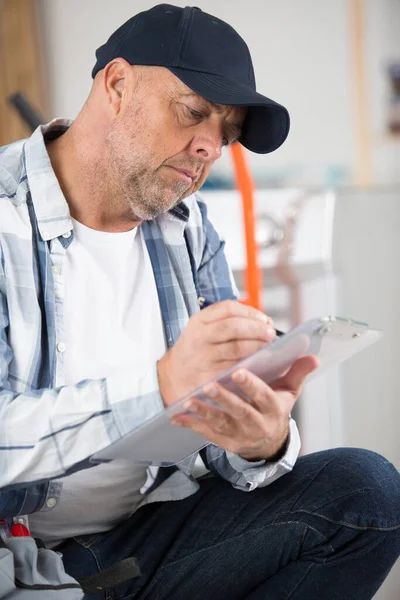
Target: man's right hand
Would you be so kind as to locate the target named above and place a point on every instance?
(214, 339)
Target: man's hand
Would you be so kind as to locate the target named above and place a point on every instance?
(254, 431)
(215, 338)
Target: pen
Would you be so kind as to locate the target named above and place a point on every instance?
(203, 303)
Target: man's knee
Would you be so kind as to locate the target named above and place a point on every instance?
(365, 469)
(365, 466)
(354, 486)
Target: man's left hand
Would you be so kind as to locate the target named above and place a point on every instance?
(256, 430)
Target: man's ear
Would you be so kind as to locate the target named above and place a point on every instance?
(118, 76)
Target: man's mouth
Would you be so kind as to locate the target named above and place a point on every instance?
(187, 174)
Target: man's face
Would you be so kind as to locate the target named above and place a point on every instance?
(164, 140)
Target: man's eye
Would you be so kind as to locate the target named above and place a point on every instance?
(195, 114)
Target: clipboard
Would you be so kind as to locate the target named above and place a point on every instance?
(158, 442)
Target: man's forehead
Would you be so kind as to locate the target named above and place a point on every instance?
(183, 91)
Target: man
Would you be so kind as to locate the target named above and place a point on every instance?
(105, 250)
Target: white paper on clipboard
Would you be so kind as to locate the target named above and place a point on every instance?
(331, 339)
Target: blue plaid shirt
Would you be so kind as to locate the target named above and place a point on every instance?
(47, 429)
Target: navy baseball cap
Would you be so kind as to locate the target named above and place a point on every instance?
(209, 56)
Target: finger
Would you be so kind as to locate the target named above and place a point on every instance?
(263, 397)
(231, 308)
(293, 380)
(216, 418)
(203, 428)
(235, 351)
(236, 407)
(190, 422)
(238, 328)
(228, 442)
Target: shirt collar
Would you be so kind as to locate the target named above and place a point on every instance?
(51, 208)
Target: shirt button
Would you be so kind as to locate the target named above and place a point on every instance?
(67, 235)
(56, 270)
(51, 502)
(61, 347)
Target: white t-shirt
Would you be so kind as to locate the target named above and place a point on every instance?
(112, 321)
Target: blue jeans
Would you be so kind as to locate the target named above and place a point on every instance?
(329, 530)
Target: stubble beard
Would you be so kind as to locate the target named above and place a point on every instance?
(143, 191)
(148, 195)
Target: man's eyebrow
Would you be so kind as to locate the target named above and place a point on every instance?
(234, 129)
(214, 105)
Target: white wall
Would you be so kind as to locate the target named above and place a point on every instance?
(383, 27)
(367, 254)
(301, 55)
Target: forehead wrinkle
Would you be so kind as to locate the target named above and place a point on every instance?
(219, 108)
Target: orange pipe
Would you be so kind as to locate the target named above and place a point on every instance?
(244, 183)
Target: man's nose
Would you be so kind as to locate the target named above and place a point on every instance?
(207, 143)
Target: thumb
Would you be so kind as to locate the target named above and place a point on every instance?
(293, 380)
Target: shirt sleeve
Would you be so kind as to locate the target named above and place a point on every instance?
(245, 475)
(50, 433)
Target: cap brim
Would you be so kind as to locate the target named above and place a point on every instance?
(267, 123)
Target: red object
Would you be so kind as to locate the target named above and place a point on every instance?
(244, 183)
(19, 530)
